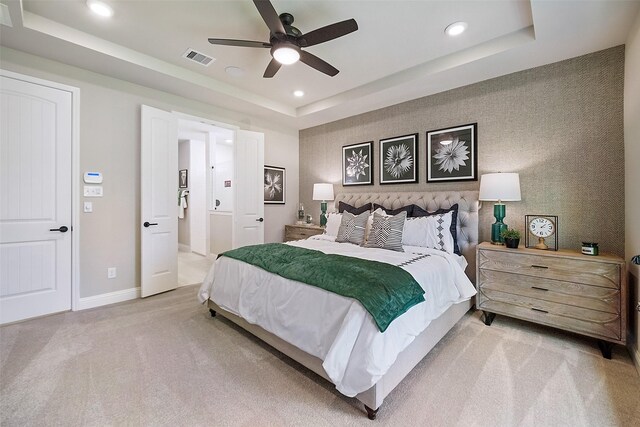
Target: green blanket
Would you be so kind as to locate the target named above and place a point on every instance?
(385, 291)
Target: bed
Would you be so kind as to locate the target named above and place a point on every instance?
(343, 348)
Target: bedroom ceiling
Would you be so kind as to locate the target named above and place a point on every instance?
(400, 51)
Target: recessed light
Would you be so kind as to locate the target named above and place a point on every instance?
(456, 28)
(100, 8)
(228, 141)
(234, 71)
(298, 93)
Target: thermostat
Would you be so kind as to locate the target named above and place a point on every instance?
(93, 177)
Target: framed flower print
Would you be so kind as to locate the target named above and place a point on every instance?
(357, 164)
(274, 185)
(399, 159)
(452, 154)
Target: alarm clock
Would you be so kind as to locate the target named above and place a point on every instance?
(541, 230)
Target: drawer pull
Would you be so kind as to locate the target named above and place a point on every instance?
(538, 266)
(540, 289)
(539, 309)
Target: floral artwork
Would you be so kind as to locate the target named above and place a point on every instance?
(357, 164)
(398, 159)
(274, 185)
(452, 154)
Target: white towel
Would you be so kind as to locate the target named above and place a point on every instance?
(182, 202)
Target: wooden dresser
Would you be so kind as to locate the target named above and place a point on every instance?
(564, 289)
(299, 232)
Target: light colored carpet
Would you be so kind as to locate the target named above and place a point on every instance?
(164, 361)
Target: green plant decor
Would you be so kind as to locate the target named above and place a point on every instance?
(510, 233)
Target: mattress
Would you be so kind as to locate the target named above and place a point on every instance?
(333, 328)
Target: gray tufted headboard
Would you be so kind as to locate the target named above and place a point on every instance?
(467, 213)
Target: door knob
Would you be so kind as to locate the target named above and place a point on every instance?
(260, 219)
(148, 224)
(62, 229)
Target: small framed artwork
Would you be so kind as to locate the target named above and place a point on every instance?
(399, 159)
(183, 178)
(274, 185)
(452, 154)
(357, 164)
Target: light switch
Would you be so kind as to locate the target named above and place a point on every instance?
(93, 191)
(88, 207)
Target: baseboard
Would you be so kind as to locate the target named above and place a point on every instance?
(184, 248)
(108, 298)
(634, 351)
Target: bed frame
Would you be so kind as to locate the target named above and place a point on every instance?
(467, 241)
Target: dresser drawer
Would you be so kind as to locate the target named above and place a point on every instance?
(589, 322)
(572, 270)
(300, 232)
(569, 293)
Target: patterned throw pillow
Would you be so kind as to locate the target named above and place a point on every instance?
(352, 228)
(386, 232)
(419, 212)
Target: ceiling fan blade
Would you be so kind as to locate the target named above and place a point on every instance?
(327, 33)
(317, 63)
(272, 69)
(241, 43)
(270, 16)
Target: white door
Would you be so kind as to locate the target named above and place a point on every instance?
(35, 198)
(248, 213)
(159, 201)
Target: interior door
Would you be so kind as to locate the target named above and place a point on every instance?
(159, 201)
(35, 199)
(248, 155)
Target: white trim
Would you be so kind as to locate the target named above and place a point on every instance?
(75, 175)
(108, 298)
(633, 350)
(183, 248)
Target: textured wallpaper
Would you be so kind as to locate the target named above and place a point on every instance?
(560, 126)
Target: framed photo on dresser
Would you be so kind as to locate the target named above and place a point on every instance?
(452, 154)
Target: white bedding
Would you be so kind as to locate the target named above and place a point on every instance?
(336, 329)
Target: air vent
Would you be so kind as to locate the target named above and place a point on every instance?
(198, 57)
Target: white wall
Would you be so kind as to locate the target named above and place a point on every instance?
(632, 177)
(197, 199)
(110, 143)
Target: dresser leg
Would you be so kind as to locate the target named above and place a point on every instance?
(488, 318)
(605, 348)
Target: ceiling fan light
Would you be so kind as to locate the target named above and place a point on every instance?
(286, 55)
(100, 8)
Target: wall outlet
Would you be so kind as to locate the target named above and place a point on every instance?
(111, 273)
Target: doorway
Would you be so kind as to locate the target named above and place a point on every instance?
(205, 197)
(161, 199)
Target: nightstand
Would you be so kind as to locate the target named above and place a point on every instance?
(299, 232)
(563, 289)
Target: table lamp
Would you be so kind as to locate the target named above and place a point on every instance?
(500, 187)
(324, 192)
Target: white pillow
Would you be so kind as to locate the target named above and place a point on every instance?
(429, 231)
(333, 224)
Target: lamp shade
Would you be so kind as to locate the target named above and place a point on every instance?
(500, 186)
(323, 191)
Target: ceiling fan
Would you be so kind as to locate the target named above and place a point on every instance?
(286, 41)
